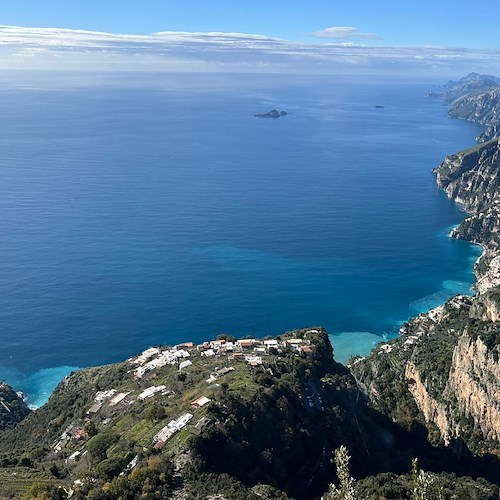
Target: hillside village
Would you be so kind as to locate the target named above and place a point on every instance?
(156, 400)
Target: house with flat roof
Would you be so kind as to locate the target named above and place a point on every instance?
(200, 402)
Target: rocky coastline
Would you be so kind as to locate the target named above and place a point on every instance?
(445, 367)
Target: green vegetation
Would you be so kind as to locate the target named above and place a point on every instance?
(12, 407)
(346, 490)
(266, 426)
(419, 485)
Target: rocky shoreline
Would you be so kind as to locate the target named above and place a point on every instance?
(444, 368)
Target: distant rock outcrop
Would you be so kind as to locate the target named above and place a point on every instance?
(274, 113)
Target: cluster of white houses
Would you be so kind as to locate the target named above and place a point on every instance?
(171, 428)
(160, 357)
(251, 351)
(244, 346)
(176, 425)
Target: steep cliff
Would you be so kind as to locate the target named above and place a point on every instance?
(472, 178)
(490, 133)
(12, 407)
(446, 372)
(482, 106)
(475, 380)
(445, 366)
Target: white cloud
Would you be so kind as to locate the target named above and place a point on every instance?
(54, 48)
(344, 33)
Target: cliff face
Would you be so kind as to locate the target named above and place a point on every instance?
(12, 407)
(482, 107)
(471, 176)
(433, 411)
(480, 104)
(475, 382)
(490, 133)
(446, 363)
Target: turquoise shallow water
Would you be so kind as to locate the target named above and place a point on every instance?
(160, 210)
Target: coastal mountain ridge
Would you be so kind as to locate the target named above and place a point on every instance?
(469, 84)
(444, 369)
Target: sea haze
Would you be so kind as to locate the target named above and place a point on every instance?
(157, 211)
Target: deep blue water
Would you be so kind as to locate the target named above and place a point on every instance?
(137, 214)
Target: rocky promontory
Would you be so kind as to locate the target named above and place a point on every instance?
(482, 107)
(469, 84)
(13, 409)
(274, 113)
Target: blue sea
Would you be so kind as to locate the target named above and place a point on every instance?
(140, 210)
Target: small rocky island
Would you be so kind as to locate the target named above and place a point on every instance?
(274, 113)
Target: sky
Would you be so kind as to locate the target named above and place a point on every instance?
(319, 36)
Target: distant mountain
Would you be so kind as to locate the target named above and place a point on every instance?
(470, 79)
(471, 83)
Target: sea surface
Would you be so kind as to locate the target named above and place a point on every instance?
(138, 211)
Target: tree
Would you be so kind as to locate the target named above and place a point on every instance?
(98, 445)
(421, 482)
(154, 413)
(91, 429)
(226, 337)
(44, 491)
(346, 491)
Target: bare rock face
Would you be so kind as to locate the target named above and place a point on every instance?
(475, 383)
(486, 307)
(12, 407)
(471, 176)
(472, 392)
(490, 133)
(482, 106)
(434, 411)
(445, 364)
